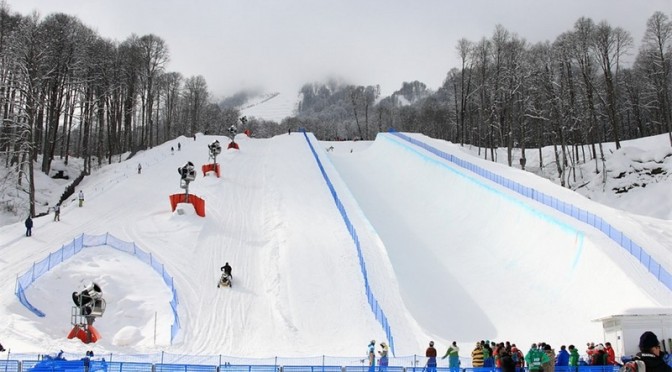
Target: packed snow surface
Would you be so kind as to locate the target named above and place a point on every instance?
(449, 255)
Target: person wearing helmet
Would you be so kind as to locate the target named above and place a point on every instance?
(372, 356)
(430, 353)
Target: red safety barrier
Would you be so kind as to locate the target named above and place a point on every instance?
(233, 145)
(211, 168)
(82, 334)
(248, 132)
(198, 203)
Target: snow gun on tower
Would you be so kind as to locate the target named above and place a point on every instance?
(89, 305)
(187, 175)
(214, 149)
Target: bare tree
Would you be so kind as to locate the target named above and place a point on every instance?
(154, 55)
(656, 54)
(609, 45)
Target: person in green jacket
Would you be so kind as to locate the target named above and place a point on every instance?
(535, 358)
(453, 356)
(573, 357)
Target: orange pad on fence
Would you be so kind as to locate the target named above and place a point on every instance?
(198, 203)
(211, 168)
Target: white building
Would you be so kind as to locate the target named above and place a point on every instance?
(623, 331)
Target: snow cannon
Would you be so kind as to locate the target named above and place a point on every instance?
(215, 149)
(89, 305)
(187, 175)
(232, 131)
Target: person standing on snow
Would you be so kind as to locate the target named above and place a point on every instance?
(29, 226)
(383, 357)
(611, 354)
(81, 198)
(430, 353)
(139, 168)
(535, 358)
(372, 356)
(550, 365)
(573, 357)
(477, 356)
(563, 357)
(453, 356)
(57, 212)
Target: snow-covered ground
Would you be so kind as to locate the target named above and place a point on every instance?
(450, 256)
(274, 106)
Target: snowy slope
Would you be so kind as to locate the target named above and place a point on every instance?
(449, 256)
(275, 106)
(473, 250)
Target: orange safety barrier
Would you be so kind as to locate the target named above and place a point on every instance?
(210, 168)
(81, 333)
(198, 203)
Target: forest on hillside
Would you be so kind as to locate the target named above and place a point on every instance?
(574, 93)
(67, 91)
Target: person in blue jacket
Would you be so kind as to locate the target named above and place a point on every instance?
(372, 356)
(562, 359)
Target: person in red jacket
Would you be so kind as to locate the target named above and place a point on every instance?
(611, 354)
(430, 353)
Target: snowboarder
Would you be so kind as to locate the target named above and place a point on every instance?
(29, 226)
(57, 212)
(81, 198)
(139, 168)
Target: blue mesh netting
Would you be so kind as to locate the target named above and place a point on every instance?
(23, 282)
(375, 306)
(584, 216)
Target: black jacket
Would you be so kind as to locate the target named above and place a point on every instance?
(654, 363)
(29, 223)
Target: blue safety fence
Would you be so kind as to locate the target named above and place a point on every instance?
(375, 306)
(9, 366)
(104, 366)
(68, 250)
(584, 216)
(167, 362)
(184, 368)
(312, 369)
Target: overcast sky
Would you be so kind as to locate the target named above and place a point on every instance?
(281, 44)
